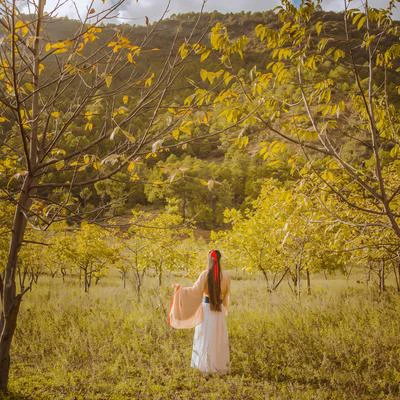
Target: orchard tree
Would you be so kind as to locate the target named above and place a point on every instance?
(154, 242)
(285, 233)
(255, 239)
(89, 251)
(335, 100)
(196, 186)
(73, 112)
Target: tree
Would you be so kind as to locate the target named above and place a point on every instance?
(285, 233)
(256, 236)
(334, 100)
(153, 242)
(88, 250)
(71, 117)
(196, 186)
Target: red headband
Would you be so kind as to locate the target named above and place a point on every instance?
(214, 255)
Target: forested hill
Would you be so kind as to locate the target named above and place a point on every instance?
(237, 24)
(204, 178)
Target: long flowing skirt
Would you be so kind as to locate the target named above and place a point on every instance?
(211, 343)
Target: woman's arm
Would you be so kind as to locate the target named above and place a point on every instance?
(186, 310)
(197, 287)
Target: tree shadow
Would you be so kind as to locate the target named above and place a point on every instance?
(14, 396)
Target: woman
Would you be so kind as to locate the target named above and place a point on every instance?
(207, 314)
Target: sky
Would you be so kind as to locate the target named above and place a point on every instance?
(135, 11)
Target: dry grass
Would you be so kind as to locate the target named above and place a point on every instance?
(342, 342)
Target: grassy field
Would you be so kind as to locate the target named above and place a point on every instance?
(340, 342)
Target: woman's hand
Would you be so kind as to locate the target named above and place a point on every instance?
(176, 287)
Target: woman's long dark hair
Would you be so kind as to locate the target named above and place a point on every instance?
(214, 280)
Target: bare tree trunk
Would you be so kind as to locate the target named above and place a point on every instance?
(298, 281)
(160, 274)
(382, 286)
(276, 285)
(325, 275)
(9, 298)
(138, 286)
(266, 278)
(86, 278)
(184, 208)
(368, 277)
(308, 281)
(124, 279)
(396, 271)
(8, 323)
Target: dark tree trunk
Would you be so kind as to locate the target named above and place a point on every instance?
(7, 326)
(138, 286)
(368, 277)
(87, 279)
(160, 273)
(9, 298)
(184, 208)
(298, 281)
(280, 280)
(397, 276)
(382, 286)
(266, 278)
(398, 272)
(308, 282)
(123, 276)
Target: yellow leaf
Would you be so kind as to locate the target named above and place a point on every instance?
(318, 27)
(29, 86)
(205, 55)
(130, 57)
(3, 119)
(55, 114)
(41, 68)
(20, 25)
(227, 78)
(203, 74)
(134, 178)
(361, 22)
(175, 134)
(125, 99)
(183, 50)
(108, 80)
(59, 165)
(149, 80)
(131, 166)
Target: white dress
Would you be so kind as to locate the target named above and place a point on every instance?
(211, 343)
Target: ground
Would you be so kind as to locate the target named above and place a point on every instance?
(340, 342)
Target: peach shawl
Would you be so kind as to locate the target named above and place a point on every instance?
(186, 309)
